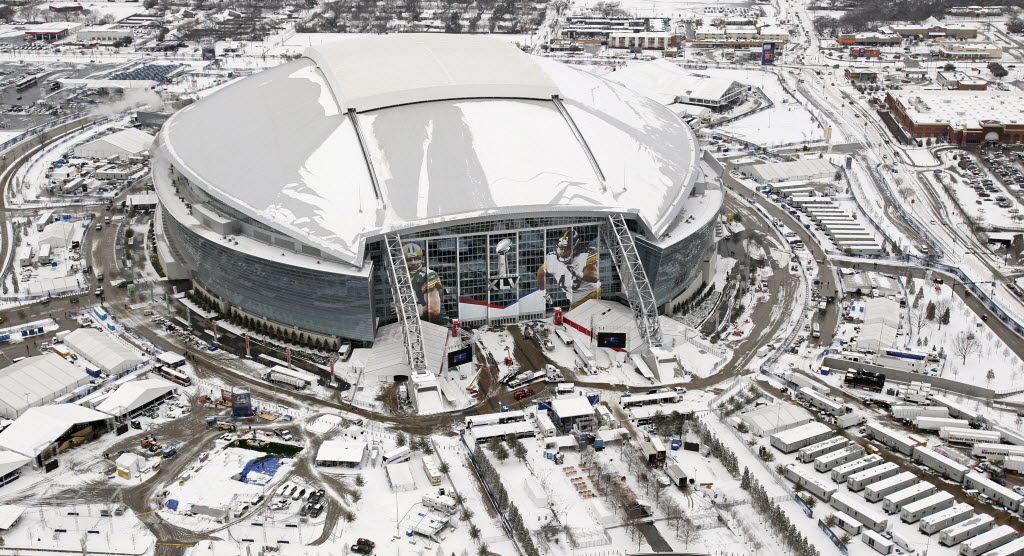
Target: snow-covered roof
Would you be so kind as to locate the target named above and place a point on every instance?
(399, 474)
(37, 380)
(341, 450)
(127, 460)
(132, 395)
(39, 426)
(11, 461)
(568, 407)
(131, 140)
(469, 142)
(961, 109)
(102, 350)
(170, 358)
(804, 168)
(775, 416)
(9, 514)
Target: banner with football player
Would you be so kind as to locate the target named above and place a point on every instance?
(571, 265)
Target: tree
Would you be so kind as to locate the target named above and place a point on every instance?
(965, 344)
(360, 481)
(519, 450)
(400, 440)
(930, 311)
(944, 319)
(474, 532)
(949, 66)
(1015, 25)
(997, 70)
(444, 467)
(501, 453)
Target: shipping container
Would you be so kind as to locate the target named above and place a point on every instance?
(858, 481)
(895, 501)
(893, 439)
(858, 509)
(955, 534)
(935, 423)
(987, 541)
(842, 472)
(814, 484)
(909, 413)
(812, 452)
(914, 511)
(950, 516)
(940, 463)
(827, 462)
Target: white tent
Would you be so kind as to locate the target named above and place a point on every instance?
(400, 476)
(770, 419)
(122, 144)
(35, 381)
(135, 394)
(103, 350)
(38, 427)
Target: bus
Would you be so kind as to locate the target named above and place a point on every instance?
(176, 376)
(816, 331)
(25, 82)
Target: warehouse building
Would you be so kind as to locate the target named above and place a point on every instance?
(804, 169)
(348, 454)
(103, 350)
(36, 381)
(960, 117)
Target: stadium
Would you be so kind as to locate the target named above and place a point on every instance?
(498, 176)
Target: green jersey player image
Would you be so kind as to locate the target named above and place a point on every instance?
(425, 282)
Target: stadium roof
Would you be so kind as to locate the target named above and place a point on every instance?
(37, 380)
(450, 140)
(132, 395)
(39, 426)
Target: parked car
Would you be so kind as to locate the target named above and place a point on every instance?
(523, 394)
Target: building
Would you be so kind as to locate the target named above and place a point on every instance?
(932, 28)
(11, 464)
(50, 32)
(861, 74)
(970, 51)
(777, 417)
(643, 40)
(596, 29)
(349, 454)
(573, 412)
(804, 169)
(124, 144)
(36, 381)
(103, 350)
(960, 117)
(43, 432)
(960, 81)
(667, 83)
(104, 34)
(869, 39)
(286, 217)
(132, 398)
(880, 326)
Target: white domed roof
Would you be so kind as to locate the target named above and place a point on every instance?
(374, 134)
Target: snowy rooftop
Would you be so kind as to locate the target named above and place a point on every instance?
(11, 461)
(133, 395)
(575, 406)
(130, 140)
(776, 416)
(39, 426)
(102, 350)
(448, 147)
(341, 450)
(9, 514)
(37, 380)
(961, 109)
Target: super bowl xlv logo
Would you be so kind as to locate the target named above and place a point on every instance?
(503, 280)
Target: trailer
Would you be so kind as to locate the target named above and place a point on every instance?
(295, 378)
(860, 248)
(968, 437)
(827, 462)
(859, 510)
(791, 440)
(822, 402)
(815, 484)
(847, 523)
(944, 466)
(909, 413)
(881, 544)
(1012, 548)
(812, 452)
(935, 423)
(1014, 463)
(895, 501)
(993, 451)
(858, 481)
(851, 419)
(914, 511)
(994, 491)
(989, 540)
(876, 491)
(955, 534)
(841, 473)
(676, 473)
(893, 439)
(936, 522)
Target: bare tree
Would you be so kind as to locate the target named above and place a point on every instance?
(965, 344)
